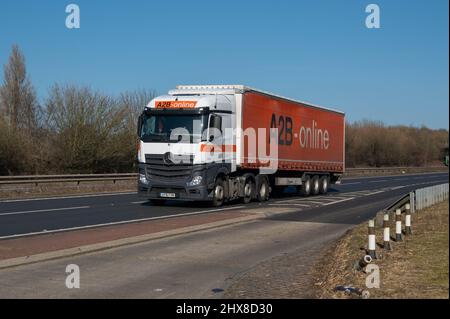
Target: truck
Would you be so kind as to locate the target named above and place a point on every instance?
(220, 143)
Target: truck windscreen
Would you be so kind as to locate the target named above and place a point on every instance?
(172, 128)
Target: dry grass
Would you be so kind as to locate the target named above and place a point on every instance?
(415, 268)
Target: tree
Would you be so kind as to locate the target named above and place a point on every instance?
(18, 100)
(91, 132)
(18, 119)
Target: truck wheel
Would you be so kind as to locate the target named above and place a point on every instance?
(157, 202)
(218, 193)
(323, 183)
(315, 185)
(248, 191)
(263, 190)
(305, 188)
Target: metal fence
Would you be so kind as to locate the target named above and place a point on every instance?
(373, 171)
(425, 197)
(75, 178)
(79, 178)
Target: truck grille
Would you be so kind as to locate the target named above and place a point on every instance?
(159, 167)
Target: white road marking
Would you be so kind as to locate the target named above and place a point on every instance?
(312, 201)
(347, 195)
(65, 197)
(380, 181)
(339, 201)
(333, 198)
(119, 223)
(292, 204)
(140, 202)
(360, 193)
(373, 193)
(300, 199)
(353, 183)
(44, 210)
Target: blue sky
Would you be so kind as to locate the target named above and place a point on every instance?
(318, 51)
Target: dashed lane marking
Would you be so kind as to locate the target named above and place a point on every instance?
(44, 210)
(65, 197)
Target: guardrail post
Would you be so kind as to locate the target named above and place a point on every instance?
(372, 239)
(398, 225)
(412, 200)
(408, 228)
(386, 232)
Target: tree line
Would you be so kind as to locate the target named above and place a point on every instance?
(74, 130)
(373, 144)
(81, 130)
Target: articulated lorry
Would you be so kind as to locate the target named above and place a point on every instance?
(219, 143)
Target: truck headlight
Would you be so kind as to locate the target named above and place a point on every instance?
(143, 179)
(196, 180)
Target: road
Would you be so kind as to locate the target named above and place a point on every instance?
(195, 265)
(22, 217)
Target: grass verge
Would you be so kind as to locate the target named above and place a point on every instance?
(415, 268)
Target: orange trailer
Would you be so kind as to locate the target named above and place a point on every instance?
(309, 138)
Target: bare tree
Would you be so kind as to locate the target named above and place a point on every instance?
(17, 96)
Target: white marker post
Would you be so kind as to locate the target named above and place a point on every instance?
(408, 228)
(386, 232)
(398, 225)
(372, 240)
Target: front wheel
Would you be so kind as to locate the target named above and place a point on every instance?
(218, 193)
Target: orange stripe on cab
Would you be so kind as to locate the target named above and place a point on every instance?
(227, 148)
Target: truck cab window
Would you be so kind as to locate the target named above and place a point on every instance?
(216, 122)
(214, 127)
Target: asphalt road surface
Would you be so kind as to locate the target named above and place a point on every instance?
(194, 265)
(24, 217)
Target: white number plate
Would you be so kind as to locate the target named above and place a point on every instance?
(167, 195)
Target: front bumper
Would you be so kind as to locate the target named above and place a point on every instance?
(184, 193)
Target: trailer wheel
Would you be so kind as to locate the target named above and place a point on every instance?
(315, 185)
(263, 189)
(248, 191)
(323, 183)
(218, 193)
(305, 188)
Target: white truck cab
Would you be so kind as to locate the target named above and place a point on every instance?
(182, 144)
